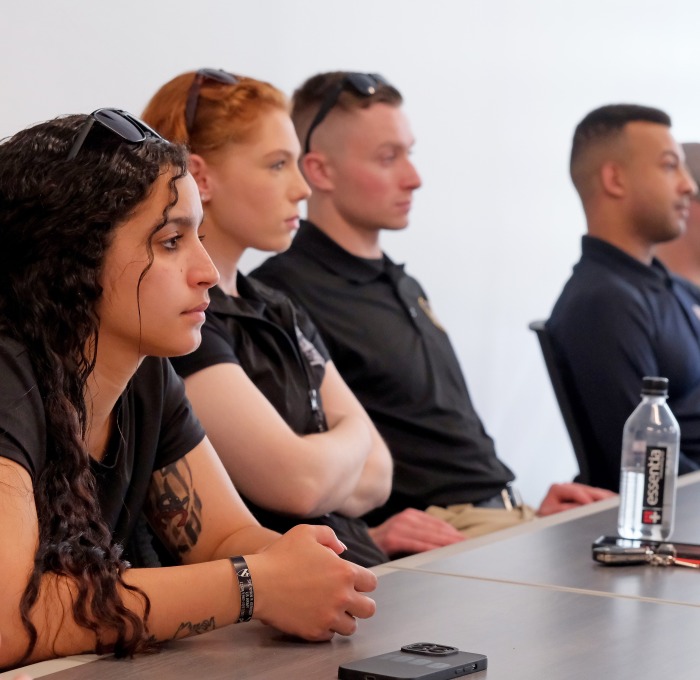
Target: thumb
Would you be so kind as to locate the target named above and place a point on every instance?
(326, 536)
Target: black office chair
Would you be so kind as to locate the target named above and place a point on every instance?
(589, 463)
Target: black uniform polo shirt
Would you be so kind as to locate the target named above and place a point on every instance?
(616, 321)
(391, 350)
(282, 353)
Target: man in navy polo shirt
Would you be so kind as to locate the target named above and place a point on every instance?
(377, 322)
(622, 315)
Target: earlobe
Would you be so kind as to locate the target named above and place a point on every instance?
(317, 171)
(612, 177)
(200, 172)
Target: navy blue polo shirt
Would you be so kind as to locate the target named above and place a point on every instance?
(377, 324)
(616, 321)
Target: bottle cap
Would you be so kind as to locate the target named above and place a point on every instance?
(655, 386)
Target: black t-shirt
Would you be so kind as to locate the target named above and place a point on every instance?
(282, 353)
(393, 353)
(155, 427)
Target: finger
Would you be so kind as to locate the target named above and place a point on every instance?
(365, 580)
(346, 625)
(326, 536)
(362, 607)
(601, 494)
(577, 493)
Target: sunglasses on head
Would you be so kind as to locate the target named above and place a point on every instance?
(363, 84)
(121, 123)
(218, 76)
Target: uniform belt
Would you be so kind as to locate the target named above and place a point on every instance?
(508, 497)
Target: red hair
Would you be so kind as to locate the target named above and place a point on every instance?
(225, 112)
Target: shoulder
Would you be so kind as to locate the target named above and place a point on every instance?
(155, 382)
(22, 416)
(595, 288)
(274, 267)
(267, 291)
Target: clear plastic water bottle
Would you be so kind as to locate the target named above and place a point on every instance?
(649, 470)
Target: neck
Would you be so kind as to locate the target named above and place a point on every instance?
(616, 229)
(114, 367)
(356, 240)
(225, 253)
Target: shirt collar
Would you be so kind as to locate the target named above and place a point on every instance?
(324, 250)
(248, 304)
(597, 249)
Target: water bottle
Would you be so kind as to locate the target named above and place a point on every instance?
(649, 470)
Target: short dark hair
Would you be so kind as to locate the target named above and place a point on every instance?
(606, 123)
(309, 96)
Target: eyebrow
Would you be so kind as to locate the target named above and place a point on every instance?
(279, 152)
(184, 222)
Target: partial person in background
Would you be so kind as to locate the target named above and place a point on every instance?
(377, 321)
(102, 276)
(622, 315)
(293, 437)
(682, 254)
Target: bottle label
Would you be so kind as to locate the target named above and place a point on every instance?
(654, 474)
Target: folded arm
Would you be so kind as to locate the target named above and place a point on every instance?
(278, 469)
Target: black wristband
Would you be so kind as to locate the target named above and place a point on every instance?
(245, 584)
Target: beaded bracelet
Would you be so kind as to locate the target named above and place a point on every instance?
(245, 583)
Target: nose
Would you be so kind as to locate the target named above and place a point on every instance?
(202, 271)
(688, 185)
(300, 190)
(411, 178)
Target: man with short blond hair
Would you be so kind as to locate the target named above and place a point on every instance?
(377, 321)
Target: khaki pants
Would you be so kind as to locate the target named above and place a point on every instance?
(473, 521)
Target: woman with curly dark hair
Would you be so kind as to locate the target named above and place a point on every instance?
(102, 274)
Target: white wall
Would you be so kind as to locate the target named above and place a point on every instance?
(493, 89)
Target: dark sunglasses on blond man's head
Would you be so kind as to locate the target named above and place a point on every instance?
(129, 128)
(216, 75)
(362, 84)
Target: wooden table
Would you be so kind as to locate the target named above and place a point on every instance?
(528, 633)
(530, 598)
(558, 554)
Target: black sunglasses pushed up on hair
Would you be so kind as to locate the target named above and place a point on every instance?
(218, 76)
(364, 84)
(121, 123)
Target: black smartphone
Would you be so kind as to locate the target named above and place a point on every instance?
(614, 550)
(418, 661)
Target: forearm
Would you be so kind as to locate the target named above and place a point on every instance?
(253, 539)
(184, 600)
(332, 471)
(374, 486)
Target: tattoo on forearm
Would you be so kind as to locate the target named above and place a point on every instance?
(188, 628)
(175, 507)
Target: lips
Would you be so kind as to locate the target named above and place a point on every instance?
(199, 309)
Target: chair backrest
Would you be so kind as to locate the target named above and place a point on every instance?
(578, 433)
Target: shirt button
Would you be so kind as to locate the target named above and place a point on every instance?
(412, 311)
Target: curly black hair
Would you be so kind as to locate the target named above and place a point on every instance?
(57, 220)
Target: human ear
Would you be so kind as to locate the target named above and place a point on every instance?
(200, 171)
(317, 171)
(612, 177)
